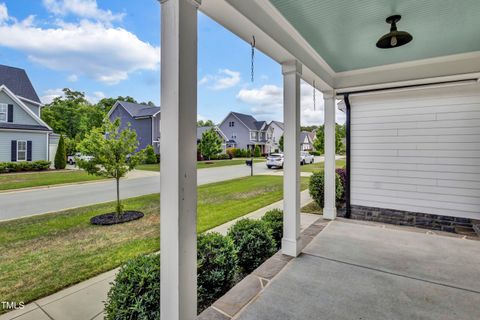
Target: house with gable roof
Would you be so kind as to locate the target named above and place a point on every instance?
(24, 136)
(144, 119)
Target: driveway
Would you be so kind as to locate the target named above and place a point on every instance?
(354, 270)
(36, 201)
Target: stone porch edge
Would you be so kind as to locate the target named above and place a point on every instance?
(248, 289)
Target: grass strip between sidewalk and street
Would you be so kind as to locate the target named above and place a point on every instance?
(43, 254)
(10, 181)
(318, 166)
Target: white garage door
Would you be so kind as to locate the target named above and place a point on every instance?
(417, 150)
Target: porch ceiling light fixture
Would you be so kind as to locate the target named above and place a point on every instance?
(394, 38)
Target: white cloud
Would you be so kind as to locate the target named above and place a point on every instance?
(224, 79)
(101, 52)
(51, 94)
(267, 102)
(82, 8)
(3, 13)
(72, 78)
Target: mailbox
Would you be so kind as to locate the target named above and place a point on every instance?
(249, 162)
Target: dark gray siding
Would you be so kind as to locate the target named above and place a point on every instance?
(143, 127)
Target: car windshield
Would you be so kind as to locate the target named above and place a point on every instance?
(275, 156)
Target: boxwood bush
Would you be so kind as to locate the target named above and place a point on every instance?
(6, 167)
(136, 290)
(254, 242)
(217, 266)
(317, 188)
(274, 220)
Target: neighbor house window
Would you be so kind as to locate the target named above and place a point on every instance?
(234, 135)
(21, 150)
(253, 135)
(231, 124)
(3, 112)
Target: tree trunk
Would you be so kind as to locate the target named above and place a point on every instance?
(119, 209)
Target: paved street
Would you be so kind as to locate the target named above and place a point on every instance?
(17, 204)
(37, 201)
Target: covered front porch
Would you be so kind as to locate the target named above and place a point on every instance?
(358, 270)
(413, 153)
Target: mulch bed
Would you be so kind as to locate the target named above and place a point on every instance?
(112, 218)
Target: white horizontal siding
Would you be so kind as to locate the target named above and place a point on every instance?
(417, 151)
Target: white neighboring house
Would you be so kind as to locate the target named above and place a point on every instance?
(24, 136)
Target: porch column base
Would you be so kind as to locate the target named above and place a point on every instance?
(329, 213)
(291, 247)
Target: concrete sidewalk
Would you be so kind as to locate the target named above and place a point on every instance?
(85, 301)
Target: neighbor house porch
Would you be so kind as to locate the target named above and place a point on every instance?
(413, 142)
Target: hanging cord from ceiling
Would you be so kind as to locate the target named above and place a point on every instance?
(314, 96)
(252, 59)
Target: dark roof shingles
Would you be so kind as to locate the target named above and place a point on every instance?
(139, 110)
(17, 81)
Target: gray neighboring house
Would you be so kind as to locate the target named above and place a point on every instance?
(24, 136)
(201, 130)
(306, 140)
(243, 131)
(144, 119)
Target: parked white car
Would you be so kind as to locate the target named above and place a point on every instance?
(306, 158)
(72, 159)
(276, 159)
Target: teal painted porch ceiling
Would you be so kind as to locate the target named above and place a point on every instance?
(344, 32)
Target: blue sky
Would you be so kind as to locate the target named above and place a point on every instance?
(108, 48)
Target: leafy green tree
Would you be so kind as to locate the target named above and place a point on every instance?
(150, 156)
(61, 155)
(319, 141)
(205, 123)
(113, 151)
(211, 144)
(280, 143)
(256, 152)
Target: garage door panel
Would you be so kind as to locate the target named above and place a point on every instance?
(418, 150)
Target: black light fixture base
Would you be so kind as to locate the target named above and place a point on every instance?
(394, 38)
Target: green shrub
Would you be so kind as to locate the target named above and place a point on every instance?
(220, 156)
(150, 156)
(61, 155)
(217, 265)
(231, 152)
(40, 165)
(135, 294)
(257, 153)
(237, 152)
(317, 188)
(254, 242)
(274, 220)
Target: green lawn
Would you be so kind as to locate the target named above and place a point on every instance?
(48, 178)
(203, 164)
(319, 166)
(42, 254)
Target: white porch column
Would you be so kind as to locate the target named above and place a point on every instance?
(329, 210)
(292, 71)
(178, 183)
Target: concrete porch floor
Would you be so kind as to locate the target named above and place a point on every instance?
(357, 270)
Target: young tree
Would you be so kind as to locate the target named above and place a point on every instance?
(280, 143)
(256, 152)
(210, 144)
(113, 151)
(61, 155)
